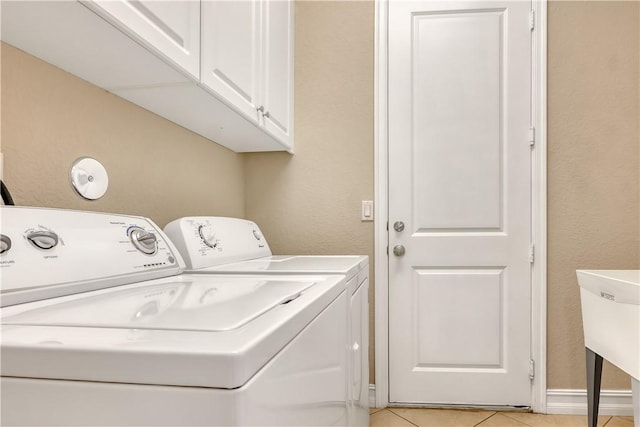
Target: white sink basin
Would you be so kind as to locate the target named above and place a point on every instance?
(611, 316)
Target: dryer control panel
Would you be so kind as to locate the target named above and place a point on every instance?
(207, 241)
(46, 253)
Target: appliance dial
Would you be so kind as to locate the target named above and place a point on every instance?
(256, 235)
(42, 239)
(208, 236)
(143, 240)
(5, 243)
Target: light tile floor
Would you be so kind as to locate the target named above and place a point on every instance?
(412, 417)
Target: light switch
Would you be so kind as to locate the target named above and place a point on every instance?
(367, 210)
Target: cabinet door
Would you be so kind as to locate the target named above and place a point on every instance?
(172, 28)
(278, 69)
(231, 52)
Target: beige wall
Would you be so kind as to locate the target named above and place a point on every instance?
(156, 168)
(310, 202)
(593, 163)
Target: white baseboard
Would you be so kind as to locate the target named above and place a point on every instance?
(372, 395)
(571, 402)
(574, 402)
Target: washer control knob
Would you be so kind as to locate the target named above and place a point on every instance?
(144, 241)
(208, 235)
(5, 243)
(43, 239)
(257, 235)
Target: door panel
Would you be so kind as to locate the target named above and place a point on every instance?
(459, 178)
(472, 338)
(457, 79)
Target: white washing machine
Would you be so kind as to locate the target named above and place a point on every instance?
(218, 245)
(99, 328)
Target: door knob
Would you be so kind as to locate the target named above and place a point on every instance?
(398, 225)
(398, 250)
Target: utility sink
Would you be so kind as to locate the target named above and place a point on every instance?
(611, 320)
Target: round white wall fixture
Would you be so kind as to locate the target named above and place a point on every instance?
(89, 178)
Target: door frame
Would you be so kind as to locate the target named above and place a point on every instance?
(380, 397)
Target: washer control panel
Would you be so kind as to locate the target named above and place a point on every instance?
(207, 241)
(52, 252)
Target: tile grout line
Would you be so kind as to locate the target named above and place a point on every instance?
(403, 418)
(490, 416)
(506, 414)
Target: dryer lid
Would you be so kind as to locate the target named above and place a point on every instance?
(348, 265)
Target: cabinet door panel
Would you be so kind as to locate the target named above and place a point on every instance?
(172, 28)
(231, 52)
(278, 69)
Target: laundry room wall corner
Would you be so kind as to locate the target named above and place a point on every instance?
(310, 203)
(156, 168)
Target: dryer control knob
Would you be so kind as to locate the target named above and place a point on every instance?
(208, 235)
(43, 239)
(5, 243)
(144, 241)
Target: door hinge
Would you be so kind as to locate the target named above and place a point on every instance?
(532, 369)
(387, 250)
(532, 136)
(532, 254)
(532, 20)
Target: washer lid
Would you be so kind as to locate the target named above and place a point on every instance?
(189, 330)
(193, 305)
(349, 265)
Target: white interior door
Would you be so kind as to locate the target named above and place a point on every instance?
(460, 181)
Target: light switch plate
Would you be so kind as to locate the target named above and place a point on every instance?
(367, 210)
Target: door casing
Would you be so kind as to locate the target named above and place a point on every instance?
(380, 398)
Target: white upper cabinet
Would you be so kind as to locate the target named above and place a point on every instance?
(222, 69)
(171, 28)
(247, 58)
(74, 38)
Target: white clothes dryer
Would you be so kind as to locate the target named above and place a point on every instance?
(220, 245)
(99, 328)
